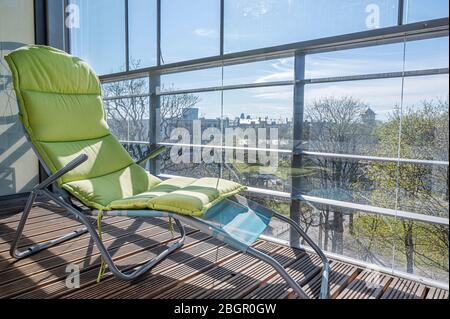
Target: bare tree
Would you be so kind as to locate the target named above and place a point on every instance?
(336, 125)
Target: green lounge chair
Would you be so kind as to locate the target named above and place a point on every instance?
(61, 109)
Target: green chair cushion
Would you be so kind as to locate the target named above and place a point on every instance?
(185, 196)
(100, 191)
(108, 153)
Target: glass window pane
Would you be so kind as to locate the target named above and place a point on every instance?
(345, 117)
(190, 168)
(260, 72)
(427, 54)
(423, 188)
(425, 130)
(100, 37)
(19, 171)
(379, 59)
(253, 24)
(142, 33)
(419, 10)
(368, 60)
(359, 235)
(137, 86)
(269, 107)
(189, 29)
(348, 180)
(128, 118)
(180, 113)
(422, 249)
(273, 172)
(191, 80)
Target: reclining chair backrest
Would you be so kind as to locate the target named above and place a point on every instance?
(61, 108)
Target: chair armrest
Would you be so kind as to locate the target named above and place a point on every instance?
(70, 166)
(155, 150)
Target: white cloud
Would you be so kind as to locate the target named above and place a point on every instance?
(283, 71)
(206, 33)
(279, 76)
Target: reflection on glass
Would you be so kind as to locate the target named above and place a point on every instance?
(347, 117)
(273, 174)
(422, 249)
(367, 60)
(422, 188)
(262, 108)
(128, 118)
(142, 33)
(425, 130)
(194, 24)
(427, 54)
(260, 72)
(137, 86)
(419, 10)
(188, 116)
(353, 181)
(100, 37)
(253, 24)
(183, 163)
(19, 171)
(191, 80)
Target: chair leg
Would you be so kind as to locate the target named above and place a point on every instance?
(324, 288)
(28, 251)
(140, 270)
(124, 275)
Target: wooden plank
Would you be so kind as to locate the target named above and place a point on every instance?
(435, 293)
(119, 249)
(367, 285)
(36, 223)
(301, 271)
(90, 289)
(113, 228)
(37, 215)
(204, 282)
(196, 245)
(72, 256)
(250, 278)
(405, 289)
(124, 257)
(340, 276)
(166, 280)
(38, 210)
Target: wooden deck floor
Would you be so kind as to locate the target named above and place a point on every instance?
(202, 268)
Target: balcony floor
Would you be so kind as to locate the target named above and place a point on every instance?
(200, 269)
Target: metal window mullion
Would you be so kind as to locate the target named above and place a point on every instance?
(127, 37)
(155, 120)
(401, 12)
(66, 29)
(40, 23)
(297, 156)
(158, 33)
(55, 28)
(222, 27)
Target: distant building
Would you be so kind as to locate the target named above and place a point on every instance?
(368, 116)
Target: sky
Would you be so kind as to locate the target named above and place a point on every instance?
(190, 29)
